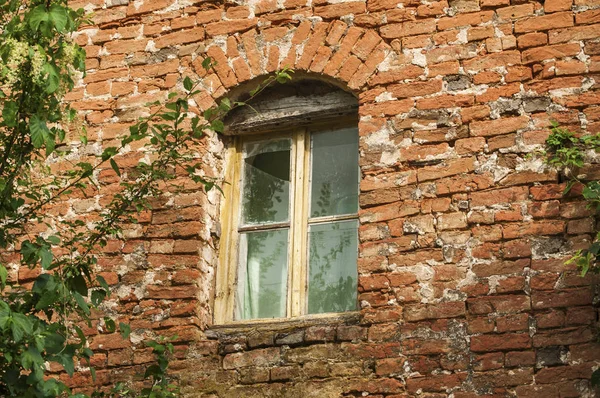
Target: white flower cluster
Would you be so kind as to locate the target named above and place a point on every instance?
(69, 51)
(18, 54)
(38, 59)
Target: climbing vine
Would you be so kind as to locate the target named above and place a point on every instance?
(568, 152)
(42, 323)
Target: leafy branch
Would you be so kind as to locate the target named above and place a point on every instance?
(568, 152)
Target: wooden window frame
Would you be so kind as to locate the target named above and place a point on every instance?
(226, 275)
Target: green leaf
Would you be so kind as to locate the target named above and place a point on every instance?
(187, 83)
(20, 325)
(81, 303)
(9, 113)
(79, 285)
(53, 239)
(58, 16)
(217, 125)
(207, 63)
(110, 325)
(5, 315)
(125, 330)
(3, 275)
(153, 370)
(102, 282)
(109, 152)
(37, 16)
(54, 343)
(45, 257)
(31, 358)
(38, 130)
(98, 297)
(115, 167)
(53, 78)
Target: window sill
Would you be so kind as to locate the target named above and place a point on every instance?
(283, 324)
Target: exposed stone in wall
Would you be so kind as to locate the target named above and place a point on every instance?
(462, 282)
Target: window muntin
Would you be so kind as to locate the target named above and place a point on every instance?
(282, 262)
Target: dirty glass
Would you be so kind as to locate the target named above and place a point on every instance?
(332, 275)
(266, 182)
(262, 275)
(334, 172)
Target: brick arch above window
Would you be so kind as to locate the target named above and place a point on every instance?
(333, 50)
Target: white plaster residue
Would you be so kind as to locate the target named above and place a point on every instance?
(535, 164)
(427, 293)
(380, 141)
(390, 158)
(469, 280)
(582, 56)
(423, 272)
(490, 166)
(137, 4)
(387, 62)
(461, 37)
(385, 96)
(417, 57)
(150, 47)
(494, 281)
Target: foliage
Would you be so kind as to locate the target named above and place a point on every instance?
(567, 152)
(40, 324)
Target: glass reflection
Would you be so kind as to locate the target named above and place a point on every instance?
(262, 275)
(266, 184)
(334, 174)
(332, 279)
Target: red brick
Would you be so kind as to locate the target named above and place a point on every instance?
(421, 312)
(261, 357)
(519, 358)
(562, 298)
(563, 337)
(500, 342)
(410, 28)
(550, 52)
(507, 304)
(574, 33)
(445, 101)
(503, 378)
(475, 18)
(416, 89)
(546, 22)
(340, 9)
(439, 383)
(499, 196)
(557, 5)
(515, 12)
(228, 27)
(499, 126)
(560, 373)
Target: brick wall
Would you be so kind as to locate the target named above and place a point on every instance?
(462, 281)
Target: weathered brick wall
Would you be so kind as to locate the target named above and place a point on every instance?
(462, 281)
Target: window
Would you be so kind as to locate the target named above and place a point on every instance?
(290, 226)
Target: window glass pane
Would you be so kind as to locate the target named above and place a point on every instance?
(262, 275)
(332, 275)
(266, 191)
(334, 174)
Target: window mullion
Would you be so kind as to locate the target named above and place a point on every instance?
(298, 241)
